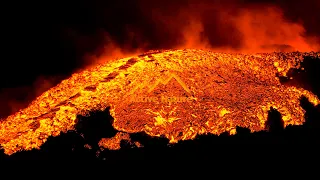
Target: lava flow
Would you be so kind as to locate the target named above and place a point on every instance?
(178, 94)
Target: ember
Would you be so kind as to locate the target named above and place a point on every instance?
(182, 97)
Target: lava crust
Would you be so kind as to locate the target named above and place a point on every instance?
(178, 94)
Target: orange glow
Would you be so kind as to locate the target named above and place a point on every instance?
(242, 28)
(179, 93)
(223, 91)
(267, 27)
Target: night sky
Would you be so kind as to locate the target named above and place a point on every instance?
(44, 43)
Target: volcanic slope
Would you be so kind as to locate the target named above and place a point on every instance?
(176, 93)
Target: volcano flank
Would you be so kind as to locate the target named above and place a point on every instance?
(176, 94)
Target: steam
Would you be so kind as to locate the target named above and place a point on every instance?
(221, 26)
(224, 26)
(109, 51)
(235, 27)
(265, 28)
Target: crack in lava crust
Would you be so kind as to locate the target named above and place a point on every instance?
(175, 93)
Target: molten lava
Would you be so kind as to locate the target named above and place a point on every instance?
(178, 94)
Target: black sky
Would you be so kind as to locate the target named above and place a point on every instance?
(49, 39)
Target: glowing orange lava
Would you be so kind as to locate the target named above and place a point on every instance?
(175, 93)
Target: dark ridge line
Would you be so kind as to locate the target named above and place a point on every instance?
(110, 77)
(150, 52)
(128, 64)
